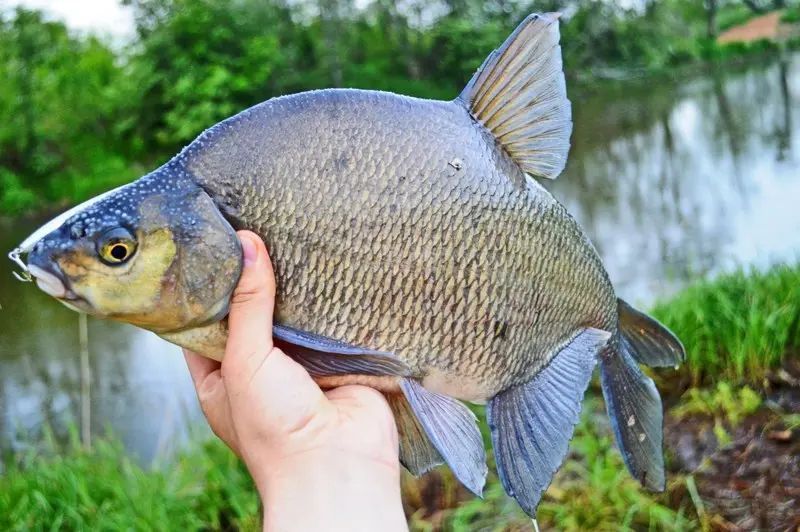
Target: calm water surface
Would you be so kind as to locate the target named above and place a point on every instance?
(672, 181)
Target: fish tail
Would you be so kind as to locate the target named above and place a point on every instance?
(632, 400)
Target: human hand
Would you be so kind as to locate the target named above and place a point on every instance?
(320, 460)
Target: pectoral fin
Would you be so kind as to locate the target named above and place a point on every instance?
(453, 430)
(322, 356)
(532, 424)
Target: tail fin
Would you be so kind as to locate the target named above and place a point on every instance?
(632, 400)
(649, 342)
(520, 96)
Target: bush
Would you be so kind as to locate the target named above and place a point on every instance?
(15, 199)
(791, 15)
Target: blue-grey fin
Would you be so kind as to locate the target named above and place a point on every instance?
(453, 430)
(649, 342)
(322, 356)
(532, 424)
(519, 95)
(417, 453)
(634, 408)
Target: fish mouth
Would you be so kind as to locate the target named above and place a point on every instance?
(49, 283)
(50, 278)
(52, 281)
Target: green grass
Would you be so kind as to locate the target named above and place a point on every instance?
(725, 401)
(737, 326)
(734, 327)
(727, 405)
(208, 488)
(103, 489)
(15, 199)
(592, 491)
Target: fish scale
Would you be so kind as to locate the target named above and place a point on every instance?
(442, 240)
(413, 252)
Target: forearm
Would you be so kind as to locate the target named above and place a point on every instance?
(333, 492)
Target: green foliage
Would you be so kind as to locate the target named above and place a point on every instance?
(208, 488)
(81, 114)
(103, 489)
(60, 100)
(592, 491)
(733, 14)
(737, 326)
(791, 15)
(725, 402)
(14, 197)
(726, 405)
(202, 61)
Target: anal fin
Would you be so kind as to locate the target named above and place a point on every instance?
(532, 424)
(453, 431)
(417, 453)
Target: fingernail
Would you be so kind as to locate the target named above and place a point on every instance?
(250, 251)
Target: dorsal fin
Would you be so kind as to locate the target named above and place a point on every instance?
(519, 94)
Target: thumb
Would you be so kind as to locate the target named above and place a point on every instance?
(259, 377)
(254, 296)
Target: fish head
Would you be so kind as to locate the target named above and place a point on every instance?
(155, 254)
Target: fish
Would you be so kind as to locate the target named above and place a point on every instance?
(415, 251)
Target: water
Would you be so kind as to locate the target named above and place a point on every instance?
(673, 181)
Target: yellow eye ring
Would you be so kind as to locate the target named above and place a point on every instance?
(117, 246)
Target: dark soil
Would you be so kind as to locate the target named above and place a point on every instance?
(753, 483)
(750, 484)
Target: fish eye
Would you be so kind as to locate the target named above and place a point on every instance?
(116, 246)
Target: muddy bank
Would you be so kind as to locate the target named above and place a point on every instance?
(745, 472)
(752, 482)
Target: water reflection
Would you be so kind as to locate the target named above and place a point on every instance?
(672, 181)
(679, 180)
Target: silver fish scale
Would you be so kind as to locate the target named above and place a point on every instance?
(398, 224)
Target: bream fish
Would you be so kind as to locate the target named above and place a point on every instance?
(414, 252)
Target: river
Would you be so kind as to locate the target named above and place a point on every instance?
(673, 180)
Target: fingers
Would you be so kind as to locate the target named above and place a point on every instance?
(213, 396)
(200, 368)
(252, 305)
(262, 381)
(254, 296)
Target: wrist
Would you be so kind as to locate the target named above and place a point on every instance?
(331, 489)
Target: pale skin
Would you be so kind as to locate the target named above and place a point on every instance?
(321, 460)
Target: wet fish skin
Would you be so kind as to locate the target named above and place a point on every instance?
(401, 225)
(413, 253)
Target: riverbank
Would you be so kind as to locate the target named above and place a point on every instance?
(732, 442)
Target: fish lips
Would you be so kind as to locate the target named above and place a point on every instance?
(48, 283)
(52, 281)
